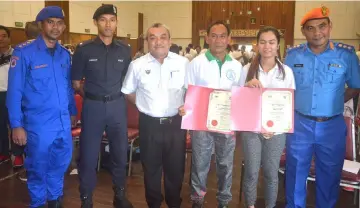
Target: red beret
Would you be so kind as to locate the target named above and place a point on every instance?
(317, 13)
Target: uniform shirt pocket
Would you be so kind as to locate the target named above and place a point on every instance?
(119, 64)
(39, 78)
(334, 74)
(177, 79)
(93, 64)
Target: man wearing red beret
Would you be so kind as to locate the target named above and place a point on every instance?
(321, 69)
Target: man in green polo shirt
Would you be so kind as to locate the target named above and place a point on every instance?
(213, 69)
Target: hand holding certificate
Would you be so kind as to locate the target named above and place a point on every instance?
(243, 109)
(262, 110)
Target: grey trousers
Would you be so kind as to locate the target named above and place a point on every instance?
(265, 152)
(202, 145)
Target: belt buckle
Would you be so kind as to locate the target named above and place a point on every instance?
(106, 98)
(165, 120)
(321, 119)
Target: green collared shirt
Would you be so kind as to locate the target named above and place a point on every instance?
(210, 57)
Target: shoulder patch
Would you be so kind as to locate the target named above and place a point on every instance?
(349, 48)
(85, 43)
(24, 44)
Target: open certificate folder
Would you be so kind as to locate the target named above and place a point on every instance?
(207, 110)
(242, 109)
(262, 109)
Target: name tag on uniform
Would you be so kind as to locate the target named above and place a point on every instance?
(335, 65)
(298, 65)
(40, 66)
(120, 60)
(92, 59)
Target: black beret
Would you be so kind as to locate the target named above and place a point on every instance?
(105, 9)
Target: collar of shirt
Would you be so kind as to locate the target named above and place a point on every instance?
(330, 46)
(272, 70)
(99, 41)
(151, 58)
(42, 45)
(210, 58)
(8, 52)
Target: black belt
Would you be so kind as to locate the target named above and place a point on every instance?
(318, 119)
(106, 98)
(160, 120)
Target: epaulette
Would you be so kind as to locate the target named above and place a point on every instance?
(121, 43)
(85, 43)
(24, 44)
(294, 48)
(63, 47)
(349, 48)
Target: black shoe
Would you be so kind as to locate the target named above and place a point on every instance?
(86, 202)
(55, 203)
(120, 200)
(197, 205)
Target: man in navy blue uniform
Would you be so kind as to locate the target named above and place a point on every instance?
(103, 62)
(321, 69)
(42, 108)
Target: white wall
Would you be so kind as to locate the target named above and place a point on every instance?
(81, 14)
(19, 11)
(343, 14)
(176, 15)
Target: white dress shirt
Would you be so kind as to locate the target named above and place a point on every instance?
(272, 78)
(159, 87)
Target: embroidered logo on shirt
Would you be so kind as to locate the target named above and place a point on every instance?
(298, 65)
(120, 60)
(92, 59)
(230, 74)
(13, 61)
(40, 66)
(147, 71)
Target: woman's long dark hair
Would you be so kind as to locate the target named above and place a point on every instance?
(254, 66)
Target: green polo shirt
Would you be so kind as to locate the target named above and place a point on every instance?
(210, 57)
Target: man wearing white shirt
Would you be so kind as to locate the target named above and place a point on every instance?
(155, 83)
(217, 70)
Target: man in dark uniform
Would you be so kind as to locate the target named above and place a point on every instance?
(103, 62)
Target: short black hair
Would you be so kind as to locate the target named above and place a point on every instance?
(174, 48)
(218, 23)
(2, 27)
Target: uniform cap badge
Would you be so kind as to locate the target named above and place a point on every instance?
(324, 11)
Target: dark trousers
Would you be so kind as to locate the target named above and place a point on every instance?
(162, 149)
(97, 117)
(4, 131)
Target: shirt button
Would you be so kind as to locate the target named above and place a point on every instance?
(314, 94)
